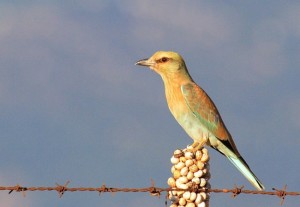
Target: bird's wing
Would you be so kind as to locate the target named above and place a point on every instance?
(205, 110)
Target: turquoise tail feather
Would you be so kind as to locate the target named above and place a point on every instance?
(242, 166)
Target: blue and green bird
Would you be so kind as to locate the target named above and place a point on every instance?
(195, 111)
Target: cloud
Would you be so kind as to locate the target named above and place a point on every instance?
(291, 17)
(259, 53)
(289, 109)
(14, 200)
(268, 57)
(251, 53)
(130, 137)
(46, 55)
(202, 24)
(260, 62)
(92, 5)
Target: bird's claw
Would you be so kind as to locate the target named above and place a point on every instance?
(196, 146)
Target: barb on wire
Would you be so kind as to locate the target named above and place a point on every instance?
(61, 188)
(237, 191)
(153, 190)
(281, 193)
(18, 188)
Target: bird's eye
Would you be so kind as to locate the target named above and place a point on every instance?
(164, 59)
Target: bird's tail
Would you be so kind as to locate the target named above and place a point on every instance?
(242, 166)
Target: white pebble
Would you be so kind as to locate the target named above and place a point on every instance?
(196, 180)
(189, 163)
(189, 155)
(186, 195)
(179, 165)
(204, 151)
(190, 205)
(190, 148)
(198, 155)
(180, 183)
(178, 153)
(176, 174)
(182, 201)
(202, 182)
(203, 195)
(181, 186)
(202, 204)
(182, 159)
(173, 169)
(193, 196)
(174, 160)
(198, 198)
(182, 179)
(184, 171)
(204, 158)
(171, 182)
(200, 164)
(198, 174)
(190, 175)
(179, 193)
(193, 168)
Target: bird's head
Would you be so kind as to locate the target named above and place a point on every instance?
(165, 63)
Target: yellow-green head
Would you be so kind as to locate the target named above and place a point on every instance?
(168, 64)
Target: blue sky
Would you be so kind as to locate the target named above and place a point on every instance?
(73, 106)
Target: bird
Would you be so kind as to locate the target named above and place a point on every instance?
(195, 111)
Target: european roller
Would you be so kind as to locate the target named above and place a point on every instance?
(195, 111)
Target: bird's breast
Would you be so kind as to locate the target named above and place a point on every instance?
(192, 126)
(184, 116)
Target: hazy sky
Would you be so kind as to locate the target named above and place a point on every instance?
(73, 106)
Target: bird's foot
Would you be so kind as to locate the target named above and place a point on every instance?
(197, 145)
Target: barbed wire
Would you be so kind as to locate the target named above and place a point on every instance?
(153, 190)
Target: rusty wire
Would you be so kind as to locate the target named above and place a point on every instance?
(154, 191)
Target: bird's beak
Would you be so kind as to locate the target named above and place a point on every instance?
(145, 62)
